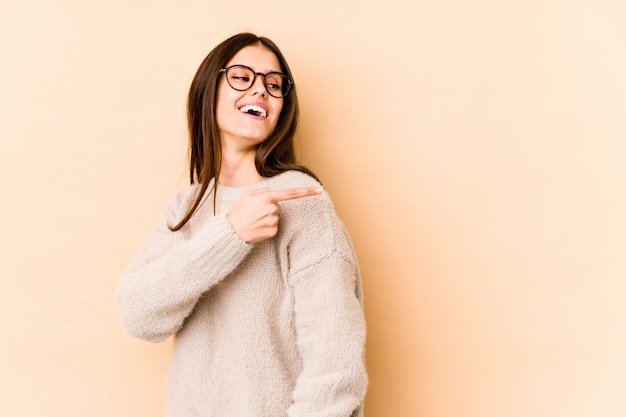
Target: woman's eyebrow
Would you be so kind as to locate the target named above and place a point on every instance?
(253, 69)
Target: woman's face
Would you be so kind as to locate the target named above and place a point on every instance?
(247, 118)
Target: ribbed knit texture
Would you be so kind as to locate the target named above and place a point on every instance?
(274, 329)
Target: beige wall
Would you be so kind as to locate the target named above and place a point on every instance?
(476, 151)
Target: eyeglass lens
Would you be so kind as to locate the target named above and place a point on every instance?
(241, 78)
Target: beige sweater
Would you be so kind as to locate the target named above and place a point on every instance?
(273, 329)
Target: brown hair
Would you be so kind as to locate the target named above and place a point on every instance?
(274, 155)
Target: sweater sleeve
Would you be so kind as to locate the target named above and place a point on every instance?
(165, 279)
(329, 320)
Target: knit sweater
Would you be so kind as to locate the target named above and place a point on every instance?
(271, 329)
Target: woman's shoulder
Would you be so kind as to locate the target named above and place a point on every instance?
(311, 226)
(180, 200)
(185, 195)
(293, 179)
(314, 212)
(310, 204)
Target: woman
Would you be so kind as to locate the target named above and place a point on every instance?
(249, 267)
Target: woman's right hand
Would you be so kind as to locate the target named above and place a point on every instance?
(255, 215)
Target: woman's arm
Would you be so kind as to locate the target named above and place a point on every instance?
(165, 279)
(330, 327)
(329, 318)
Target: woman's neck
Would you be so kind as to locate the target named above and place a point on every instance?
(238, 169)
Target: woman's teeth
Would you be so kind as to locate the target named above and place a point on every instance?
(254, 110)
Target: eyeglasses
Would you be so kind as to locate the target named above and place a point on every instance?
(241, 78)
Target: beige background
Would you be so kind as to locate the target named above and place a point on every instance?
(476, 151)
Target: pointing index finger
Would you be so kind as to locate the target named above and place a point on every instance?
(293, 193)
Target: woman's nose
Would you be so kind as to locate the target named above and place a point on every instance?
(258, 86)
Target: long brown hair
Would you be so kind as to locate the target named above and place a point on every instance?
(274, 155)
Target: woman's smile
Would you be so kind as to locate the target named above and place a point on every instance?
(257, 109)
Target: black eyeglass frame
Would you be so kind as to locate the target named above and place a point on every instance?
(289, 82)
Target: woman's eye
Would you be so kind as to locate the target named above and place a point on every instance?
(274, 87)
(240, 78)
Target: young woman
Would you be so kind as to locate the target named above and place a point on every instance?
(249, 267)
